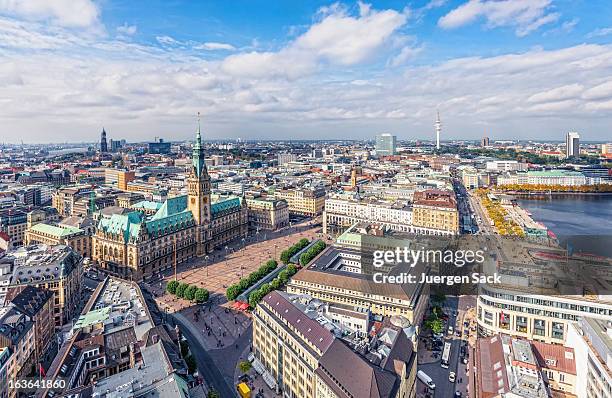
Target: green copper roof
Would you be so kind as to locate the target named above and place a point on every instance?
(554, 173)
(127, 225)
(54, 230)
(148, 205)
(171, 206)
(224, 205)
(199, 166)
(173, 215)
(92, 317)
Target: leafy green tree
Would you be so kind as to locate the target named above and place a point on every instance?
(435, 325)
(190, 292)
(180, 290)
(213, 394)
(171, 287)
(201, 295)
(291, 270)
(244, 366)
(232, 292)
(276, 283)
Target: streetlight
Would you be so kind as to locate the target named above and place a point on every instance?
(206, 259)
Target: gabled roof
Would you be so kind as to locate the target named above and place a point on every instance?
(360, 379)
(171, 206)
(55, 230)
(225, 205)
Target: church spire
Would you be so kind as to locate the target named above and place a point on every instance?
(199, 166)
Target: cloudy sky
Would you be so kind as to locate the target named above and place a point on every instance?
(275, 69)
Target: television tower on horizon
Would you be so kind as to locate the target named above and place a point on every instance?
(438, 125)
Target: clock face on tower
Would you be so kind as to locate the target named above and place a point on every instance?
(193, 200)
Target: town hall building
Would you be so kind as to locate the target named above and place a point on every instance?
(135, 245)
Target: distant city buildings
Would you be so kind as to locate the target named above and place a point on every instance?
(385, 145)
(284, 158)
(159, 147)
(485, 142)
(572, 144)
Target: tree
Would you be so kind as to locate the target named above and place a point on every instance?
(435, 325)
(276, 283)
(191, 364)
(171, 287)
(190, 292)
(201, 295)
(244, 366)
(291, 270)
(284, 257)
(180, 290)
(232, 292)
(213, 394)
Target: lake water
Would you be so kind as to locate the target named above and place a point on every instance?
(587, 219)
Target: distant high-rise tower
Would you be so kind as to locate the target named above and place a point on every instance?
(103, 144)
(485, 142)
(572, 144)
(385, 144)
(438, 130)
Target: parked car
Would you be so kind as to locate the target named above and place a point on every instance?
(452, 377)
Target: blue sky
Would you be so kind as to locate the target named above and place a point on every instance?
(530, 69)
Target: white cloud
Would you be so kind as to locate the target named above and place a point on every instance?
(525, 15)
(126, 29)
(211, 46)
(569, 91)
(407, 53)
(599, 32)
(338, 38)
(68, 13)
(167, 40)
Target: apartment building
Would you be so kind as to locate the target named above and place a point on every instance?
(303, 201)
(267, 214)
(13, 222)
(303, 357)
(38, 304)
(58, 269)
(17, 333)
(64, 199)
(591, 339)
(342, 211)
(436, 211)
(76, 238)
(511, 367)
(118, 178)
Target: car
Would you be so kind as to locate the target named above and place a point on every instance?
(450, 330)
(457, 394)
(465, 360)
(451, 377)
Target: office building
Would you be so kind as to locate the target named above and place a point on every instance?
(118, 178)
(267, 214)
(385, 145)
(284, 158)
(301, 354)
(13, 222)
(545, 177)
(572, 144)
(303, 201)
(591, 340)
(485, 142)
(159, 147)
(436, 212)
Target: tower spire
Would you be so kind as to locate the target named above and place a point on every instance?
(438, 125)
(199, 134)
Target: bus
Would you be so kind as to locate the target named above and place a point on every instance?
(446, 352)
(426, 379)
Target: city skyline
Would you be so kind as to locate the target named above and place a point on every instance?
(508, 70)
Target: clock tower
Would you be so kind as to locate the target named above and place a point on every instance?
(198, 184)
